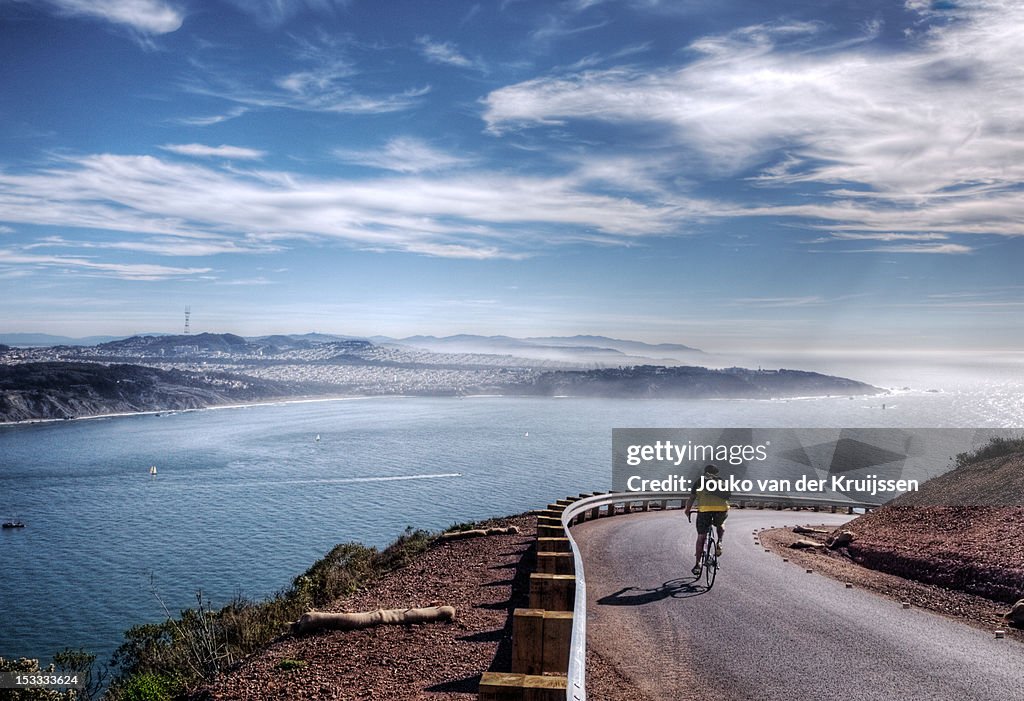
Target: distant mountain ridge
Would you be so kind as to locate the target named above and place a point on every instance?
(591, 348)
(44, 339)
(225, 343)
(498, 344)
(623, 345)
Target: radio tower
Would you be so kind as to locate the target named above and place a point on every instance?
(188, 312)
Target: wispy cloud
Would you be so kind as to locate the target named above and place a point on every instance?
(928, 248)
(405, 155)
(145, 16)
(165, 246)
(443, 52)
(124, 271)
(276, 12)
(887, 236)
(210, 120)
(920, 137)
(478, 214)
(222, 151)
(780, 301)
(323, 79)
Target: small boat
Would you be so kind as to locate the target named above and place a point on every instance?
(13, 524)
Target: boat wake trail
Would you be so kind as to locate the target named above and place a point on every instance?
(349, 480)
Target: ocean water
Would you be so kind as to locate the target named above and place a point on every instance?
(246, 498)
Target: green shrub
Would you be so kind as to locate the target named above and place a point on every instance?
(287, 665)
(149, 687)
(995, 448)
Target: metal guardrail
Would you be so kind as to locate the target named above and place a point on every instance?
(576, 687)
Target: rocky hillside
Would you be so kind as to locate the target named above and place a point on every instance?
(67, 390)
(692, 382)
(963, 530)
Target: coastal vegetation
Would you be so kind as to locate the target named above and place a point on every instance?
(999, 446)
(165, 661)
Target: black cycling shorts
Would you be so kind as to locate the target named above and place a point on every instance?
(705, 519)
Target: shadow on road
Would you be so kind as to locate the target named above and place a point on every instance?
(682, 588)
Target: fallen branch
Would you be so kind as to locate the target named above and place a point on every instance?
(479, 533)
(312, 621)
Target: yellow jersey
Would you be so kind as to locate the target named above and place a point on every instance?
(711, 501)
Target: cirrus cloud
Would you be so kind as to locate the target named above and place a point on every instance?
(145, 16)
(921, 136)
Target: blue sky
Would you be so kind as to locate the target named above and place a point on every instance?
(732, 175)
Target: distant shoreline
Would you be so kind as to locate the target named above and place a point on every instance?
(346, 398)
(159, 412)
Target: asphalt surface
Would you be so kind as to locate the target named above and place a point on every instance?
(768, 629)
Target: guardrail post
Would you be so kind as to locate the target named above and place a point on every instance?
(555, 563)
(540, 641)
(528, 641)
(505, 686)
(552, 592)
(557, 639)
(549, 521)
(553, 545)
(551, 531)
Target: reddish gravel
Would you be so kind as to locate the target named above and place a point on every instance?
(484, 578)
(962, 531)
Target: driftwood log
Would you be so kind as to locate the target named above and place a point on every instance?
(479, 532)
(840, 539)
(313, 621)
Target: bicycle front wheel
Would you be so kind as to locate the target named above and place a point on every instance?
(710, 563)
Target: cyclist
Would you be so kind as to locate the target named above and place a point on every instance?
(712, 509)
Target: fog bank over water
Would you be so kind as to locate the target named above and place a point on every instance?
(894, 369)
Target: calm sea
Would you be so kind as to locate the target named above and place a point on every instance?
(246, 498)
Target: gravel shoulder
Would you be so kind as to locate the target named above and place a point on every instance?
(968, 608)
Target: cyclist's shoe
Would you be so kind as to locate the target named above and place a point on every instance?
(695, 571)
(718, 550)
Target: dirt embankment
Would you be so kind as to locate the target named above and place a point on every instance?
(963, 530)
(978, 550)
(483, 578)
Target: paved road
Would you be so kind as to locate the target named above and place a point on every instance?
(768, 630)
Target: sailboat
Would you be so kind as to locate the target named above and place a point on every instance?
(318, 438)
(152, 470)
